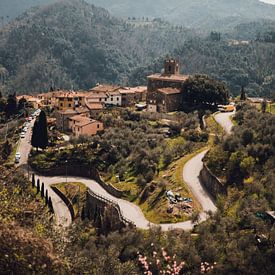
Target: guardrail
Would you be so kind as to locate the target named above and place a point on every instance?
(114, 204)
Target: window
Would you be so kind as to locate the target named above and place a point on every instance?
(70, 105)
(117, 99)
(61, 104)
(70, 99)
(97, 126)
(100, 99)
(112, 99)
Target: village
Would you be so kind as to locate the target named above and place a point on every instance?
(76, 111)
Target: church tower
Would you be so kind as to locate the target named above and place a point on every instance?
(171, 66)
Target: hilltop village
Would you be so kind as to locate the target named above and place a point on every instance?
(75, 111)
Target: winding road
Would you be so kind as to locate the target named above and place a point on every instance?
(129, 210)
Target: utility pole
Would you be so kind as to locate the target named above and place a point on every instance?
(66, 171)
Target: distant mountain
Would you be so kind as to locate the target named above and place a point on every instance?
(203, 14)
(72, 43)
(10, 9)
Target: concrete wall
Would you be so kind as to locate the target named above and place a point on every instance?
(213, 185)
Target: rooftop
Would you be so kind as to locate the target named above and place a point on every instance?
(82, 120)
(169, 91)
(170, 77)
(70, 94)
(94, 106)
(67, 112)
(105, 88)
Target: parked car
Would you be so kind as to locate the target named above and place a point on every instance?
(17, 157)
(22, 135)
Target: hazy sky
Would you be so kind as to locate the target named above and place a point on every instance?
(269, 1)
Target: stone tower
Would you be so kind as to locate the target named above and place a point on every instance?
(171, 66)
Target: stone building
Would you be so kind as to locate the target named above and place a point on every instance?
(168, 100)
(170, 78)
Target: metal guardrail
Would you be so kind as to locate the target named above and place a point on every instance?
(114, 204)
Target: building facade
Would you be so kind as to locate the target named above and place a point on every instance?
(81, 125)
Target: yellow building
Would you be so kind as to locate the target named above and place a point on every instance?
(70, 100)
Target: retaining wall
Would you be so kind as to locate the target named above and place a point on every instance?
(65, 200)
(213, 185)
(81, 171)
(106, 214)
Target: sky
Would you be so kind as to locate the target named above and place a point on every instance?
(269, 1)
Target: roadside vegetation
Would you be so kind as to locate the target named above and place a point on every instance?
(136, 153)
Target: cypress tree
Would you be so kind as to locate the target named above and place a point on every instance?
(42, 190)
(38, 186)
(33, 181)
(43, 130)
(40, 132)
(243, 95)
(35, 135)
(46, 197)
(11, 106)
(50, 204)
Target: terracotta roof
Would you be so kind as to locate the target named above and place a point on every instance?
(70, 94)
(67, 112)
(105, 88)
(138, 89)
(82, 120)
(95, 106)
(172, 77)
(169, 91)
(80, 110)
(126, 91)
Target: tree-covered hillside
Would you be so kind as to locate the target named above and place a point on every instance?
(218, 14)
(72, 43)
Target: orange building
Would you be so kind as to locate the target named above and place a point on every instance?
(82, 125)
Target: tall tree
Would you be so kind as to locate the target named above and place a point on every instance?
(35, 135)
(43, 130)
(40, 132)
(202, 90)
(11, 106)
(22, 103)
(243, 95)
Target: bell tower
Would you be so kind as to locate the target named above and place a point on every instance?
(171, 66)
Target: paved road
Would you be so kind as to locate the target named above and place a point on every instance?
(129, 210)
(61, 211)
(224, 120)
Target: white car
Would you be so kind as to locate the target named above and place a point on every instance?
(17, 157)
(22, 135)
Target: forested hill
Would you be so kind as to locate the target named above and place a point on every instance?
(72, 43)
(248, 63)
(217, 14)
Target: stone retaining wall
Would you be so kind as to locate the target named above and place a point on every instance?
(213, 185)
(106, 214)
(81, 171)
(65, 200)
